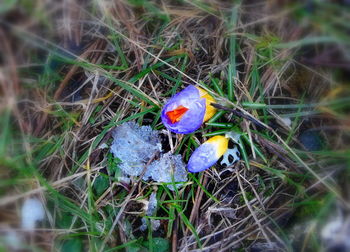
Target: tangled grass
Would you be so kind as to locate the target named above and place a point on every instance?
(72, 71)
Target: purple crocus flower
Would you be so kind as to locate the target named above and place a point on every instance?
(207, 154)
(187, 110)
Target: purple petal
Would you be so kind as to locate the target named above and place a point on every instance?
(202, 158)
(193, 118)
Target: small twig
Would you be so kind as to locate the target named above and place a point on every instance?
(240, 114)
(198, 197)
(174, 238)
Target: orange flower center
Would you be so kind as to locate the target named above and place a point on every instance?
(176, 114)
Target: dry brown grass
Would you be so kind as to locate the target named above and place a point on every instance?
(71, 107)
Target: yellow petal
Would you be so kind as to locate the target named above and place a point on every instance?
(221, 144)
(210, 110)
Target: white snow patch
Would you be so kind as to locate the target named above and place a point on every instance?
(13, 240)
(32, 211)
(287, 121)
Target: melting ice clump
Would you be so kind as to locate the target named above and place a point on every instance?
(150, 211)
(165, 168)
(135, 145)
